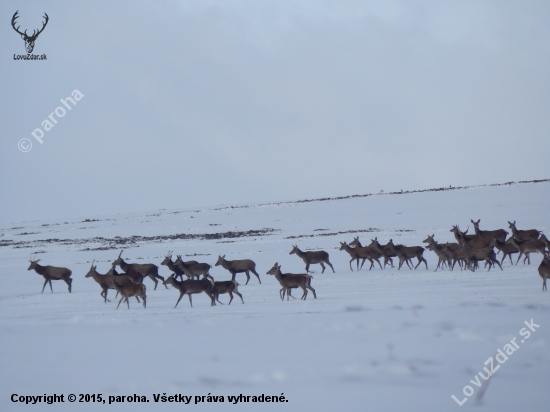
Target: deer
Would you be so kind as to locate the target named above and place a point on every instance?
(130, 290)
(51, 273)
(106, 281)
(529, 246)
(29, 40)
(473, 256)
(238, 266)
(499, 234)
(364, 253)
(460, 235)
(406, 253)
(312, 258)
(506, 248)
(194, 269)
(544, 271)
(456, 255)
(472, 242)
(173, 267)
(189, 287)
(545, 240)
(444, 257)
(226, 286)
(289, 281)
(386, 253)
(141, 269)
(531, 234)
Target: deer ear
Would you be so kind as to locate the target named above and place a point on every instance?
(276, 264)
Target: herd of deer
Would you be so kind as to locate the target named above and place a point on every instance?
(467, 251)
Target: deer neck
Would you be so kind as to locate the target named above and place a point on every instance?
(40, 269)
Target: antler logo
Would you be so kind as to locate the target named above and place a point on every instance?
(29, 40)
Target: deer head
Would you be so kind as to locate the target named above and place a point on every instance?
(33, 264)
(29, 40)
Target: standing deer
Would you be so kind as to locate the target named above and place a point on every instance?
(473, 256)
(131, 290)
(364, 253)
(499, 234)
(456, 255)
(406, 253)
(529, 246)
(238, 266)
(383, 250)
(51, 273)
(143, 269)
(289, 281)
(544, 271)
(189, 287)
(473, 243)
(531, 234)
(227, 286)
(194, 269)
(312, 258)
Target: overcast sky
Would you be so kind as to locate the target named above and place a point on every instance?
(193, 103)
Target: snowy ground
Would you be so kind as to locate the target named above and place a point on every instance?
(373, 340)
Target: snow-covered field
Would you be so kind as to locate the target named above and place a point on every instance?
(373, 340)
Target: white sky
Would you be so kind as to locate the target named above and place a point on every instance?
(191, 104)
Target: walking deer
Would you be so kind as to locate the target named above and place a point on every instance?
(460, 235)
(50, 273)
(406, 253)
(143, 269)
(444, 257)
(364, 253)
(289, 281)
(529, 246)
(385, 251)
(194, 269)
(131, 290)
(190, 287)
(456, 255)
(506, 248)
(106, 281)
(531, 234)
(499, 234)
(226, 286)
(238, 266)
(174, 267)
(312, 258)
(472, 242)
(473, 256)
(544, 271)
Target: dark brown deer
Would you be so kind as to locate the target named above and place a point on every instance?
(132, 290)
(312, 258)
(456, 255)
(364, 253)
(531, 234)
(51, 273)
(289, 281)
(544, 271)
(29, 40)
(472, 243)
(529, 246)
(190, 287)
(238, 266)
(175, 268)
(226, 286)
(460, 235)
(385, 251)
(194, 270)
(143, 269)
(499, 234)
(545, 240)
(406, 253)
(506, 248)
(444, 257)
